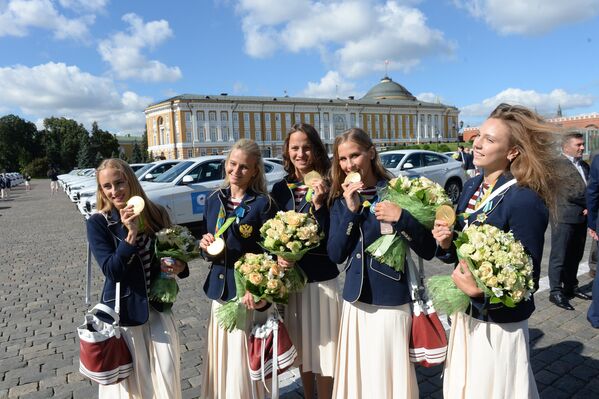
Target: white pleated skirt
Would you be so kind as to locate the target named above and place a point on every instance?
(154, 347)
(312, 319)
(373, 359)
(226, 371)
(488, 360)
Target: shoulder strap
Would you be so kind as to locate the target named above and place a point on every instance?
(499, 191)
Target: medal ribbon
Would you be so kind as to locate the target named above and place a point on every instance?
(221, 224)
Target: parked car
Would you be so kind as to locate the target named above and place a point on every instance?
(182, 190)
(444, 170)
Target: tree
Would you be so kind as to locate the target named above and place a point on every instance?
(63, 135)
(144, 147)
(18, 145)
(98, 159)
(84, 159)
(136, 155)
(103, 142)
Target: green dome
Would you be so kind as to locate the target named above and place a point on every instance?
(387, 89)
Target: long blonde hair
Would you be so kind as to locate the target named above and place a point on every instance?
(538, 145)
(361, 138)
(249, 147)
(154, 216)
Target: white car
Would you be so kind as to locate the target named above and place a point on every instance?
(182, 190)
(440, 168)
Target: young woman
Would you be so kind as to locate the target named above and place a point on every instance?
(488, 354)
(373, 354)
(312, 317)
(125, 254)
(244, 195)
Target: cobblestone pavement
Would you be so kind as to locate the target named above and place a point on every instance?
(42, 240)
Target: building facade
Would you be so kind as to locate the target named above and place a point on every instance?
(187, 126)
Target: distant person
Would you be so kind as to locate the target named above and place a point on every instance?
(593, 250)
(460, 155)
(53, 175)
(3, 189)
(27, 182)
(569, 228)
(468, 162)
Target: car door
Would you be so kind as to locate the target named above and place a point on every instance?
(189, 200)
(435, 168)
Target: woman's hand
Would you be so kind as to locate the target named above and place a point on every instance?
(248, 301)
(350, 193)
(130, 220)
(464, 280)
(175, 268)
(321, 192)
(442, 233)
(387, 212)
(284, 263)
(206, 240)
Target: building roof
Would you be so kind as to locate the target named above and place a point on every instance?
(387, 89)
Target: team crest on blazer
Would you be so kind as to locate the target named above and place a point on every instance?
(245, 230)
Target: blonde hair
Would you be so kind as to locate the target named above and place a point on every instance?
(361, 138)
(154, 216)
(249, 147)
(538, 144)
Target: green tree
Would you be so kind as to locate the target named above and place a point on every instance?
(136, 155)
(103, 142)
(144, 147)
(18, 143)
(84, 159)
(98, 159)
(63, 135)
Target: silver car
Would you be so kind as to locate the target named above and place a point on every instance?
(440, 168)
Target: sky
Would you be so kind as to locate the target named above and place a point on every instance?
(106, 61)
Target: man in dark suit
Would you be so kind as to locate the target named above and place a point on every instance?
(468, 158)
(569, 229)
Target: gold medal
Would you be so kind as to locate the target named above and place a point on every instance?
(446, 213)
(310, 177)
(137, 203)
(217, 246)
(353, 177)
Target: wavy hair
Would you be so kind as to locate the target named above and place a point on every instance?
(538, 145)
(320, 159)
(361, 138)
(154, 216)
(249, 147)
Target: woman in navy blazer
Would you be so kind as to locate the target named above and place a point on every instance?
(312, 316)
(226, 372)
(125, 253)
(488, 354)
(373, 354)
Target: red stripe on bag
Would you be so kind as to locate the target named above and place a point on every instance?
(428, 342)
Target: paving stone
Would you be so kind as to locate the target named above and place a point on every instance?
(25, 389)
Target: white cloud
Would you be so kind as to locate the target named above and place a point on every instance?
(55, 89)
(240, 88)
(123, 51)
(85, 5)
(531, 17)
(430, 97)
(544, 103)
(332, 85)
(356, 35)
(19, 16)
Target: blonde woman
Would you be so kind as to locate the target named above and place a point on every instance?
(125, 254)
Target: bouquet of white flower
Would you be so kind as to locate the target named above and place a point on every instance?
(290, 235)
(172, 242)
(261, 275)
(421, 197)
(499, 264)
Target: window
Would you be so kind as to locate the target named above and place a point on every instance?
(267, 167)
(224, 116)
(189, 153)
(415, 159)
(212, 115)
(188, 136)
(235, 117)
(207, 171)
(433, 159)
(235, 133)
(257, 118)
(352, 119)
(200, 116)
(225, 133)
(391, 161)
(298, 118)
(213, 134)
(246, 117)
(288, 121)
(267, 118)
(277, 117)
(187, 116)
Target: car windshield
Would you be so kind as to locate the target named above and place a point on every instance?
(172, 173)
(143, 169)
(391, 161)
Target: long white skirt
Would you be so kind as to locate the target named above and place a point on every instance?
(156, 356)
(312, 319)
(226, 370)
(373, 359)
(488, 360)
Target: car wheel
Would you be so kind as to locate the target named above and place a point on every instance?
(453, 188)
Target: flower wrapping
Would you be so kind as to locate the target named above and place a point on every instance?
(499, 264)
(421, 197)
(262, 276)
(175, 242)
(290, 235)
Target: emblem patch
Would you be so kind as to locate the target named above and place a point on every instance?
(246, 230)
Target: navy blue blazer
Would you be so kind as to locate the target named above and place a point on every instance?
(593, 194)
(316, 264)
(523, 212)
(240, 238)
(368, 280)
(120, 262)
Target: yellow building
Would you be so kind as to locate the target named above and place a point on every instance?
(188, 125)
